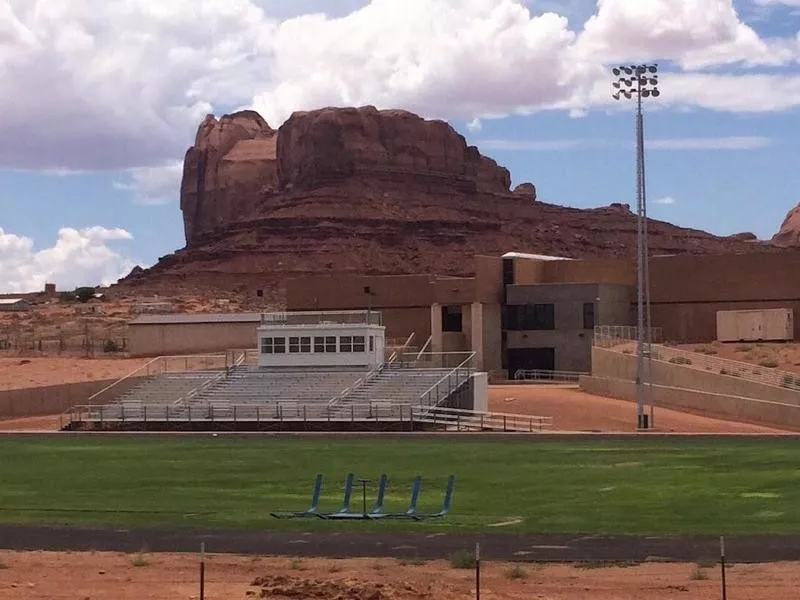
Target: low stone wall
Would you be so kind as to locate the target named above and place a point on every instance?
(49, 400)
(734, 408)
(616, 365)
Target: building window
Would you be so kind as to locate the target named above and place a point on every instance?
(358, 343)
(372, 343)
(305, 344)
(451, 318)
(294, 345)
(530, 317)
(271, 345)
(508, 271)
(330, 343)
(588, 315)
(346, 343)
(319, 344)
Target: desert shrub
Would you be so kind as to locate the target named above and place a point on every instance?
(110, 346)
(705, 350)
(744, 348)
(516, 572)
(698, 574)
(84, 293)
(680, 360)
(769, 363)
(462, 559)
(140, 560)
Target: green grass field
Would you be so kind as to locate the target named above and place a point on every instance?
(636, 486)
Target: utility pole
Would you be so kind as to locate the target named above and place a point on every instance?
(640, 81)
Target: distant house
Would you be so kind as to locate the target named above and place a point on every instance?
(14, 304)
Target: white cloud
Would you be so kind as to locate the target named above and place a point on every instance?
(121, 85)
(777, 2)
(718, 143)
(704, 143)
(78, 257)
(153, 185)
(694, 33)
(538, 145)
(666, 200)
(475, 125)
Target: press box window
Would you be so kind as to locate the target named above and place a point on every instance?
(330, 343)
(358, 343)
(299, 344)
(346, 343)
(452, 318)
(319, 344)
(273, 345)
(372, 343)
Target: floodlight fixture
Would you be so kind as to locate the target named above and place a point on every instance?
(641, 81)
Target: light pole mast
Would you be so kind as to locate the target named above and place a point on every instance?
(640, 81)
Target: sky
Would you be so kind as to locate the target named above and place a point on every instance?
(102, 99)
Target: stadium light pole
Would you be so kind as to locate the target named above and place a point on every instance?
(640, 81)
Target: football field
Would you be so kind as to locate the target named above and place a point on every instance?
(681, 485)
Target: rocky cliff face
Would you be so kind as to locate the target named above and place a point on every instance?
(232, 163)
(789, 233)
(332, 145)
(381, 192)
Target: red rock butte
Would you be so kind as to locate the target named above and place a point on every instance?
(789, 233)
(361, 190)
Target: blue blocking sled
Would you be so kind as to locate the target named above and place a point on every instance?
(377, 510)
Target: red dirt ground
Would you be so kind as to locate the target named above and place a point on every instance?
(23, 372)
(574, 410)
(96, 576)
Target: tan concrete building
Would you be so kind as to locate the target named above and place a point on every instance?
(163, 335)
(523, 311)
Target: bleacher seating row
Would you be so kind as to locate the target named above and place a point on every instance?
(253, 392)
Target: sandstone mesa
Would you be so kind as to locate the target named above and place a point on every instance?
(361, 190)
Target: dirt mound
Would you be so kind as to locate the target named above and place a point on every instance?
(285, 586)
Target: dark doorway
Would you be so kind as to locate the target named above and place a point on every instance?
(542, 359)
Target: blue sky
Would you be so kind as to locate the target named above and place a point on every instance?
(100, 153)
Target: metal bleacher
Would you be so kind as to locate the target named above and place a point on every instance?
(409, 393)
(396, 385)
(165, 388)
(251, 385)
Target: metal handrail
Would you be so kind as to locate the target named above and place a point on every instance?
(286, 411)
(446, 378)
(538, 374)
(425, 346)
(125, 377)
(786, 380)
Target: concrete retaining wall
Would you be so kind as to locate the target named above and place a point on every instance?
(615, 365)
(735, 408)
(52, 399)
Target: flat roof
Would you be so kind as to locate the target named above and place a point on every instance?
(182, 319)
(11, 300)
(534, 256)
